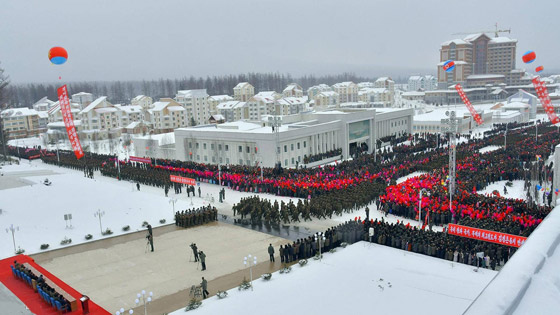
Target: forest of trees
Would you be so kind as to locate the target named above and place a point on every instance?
(121, 92)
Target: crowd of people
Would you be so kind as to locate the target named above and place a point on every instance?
(42, 285)
(193, 217)
(321, 156)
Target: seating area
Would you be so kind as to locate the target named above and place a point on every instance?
(51, 294)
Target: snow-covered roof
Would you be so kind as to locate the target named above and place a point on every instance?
(159, 106)
(221, 98)
(241, 85)
(138, 98)
(292, 100)
(130, 109)
(372, 91)
(230, 105)
(60, 124)
(456, 42)
(106, 110)
(343, 84)
(412, 93)
(328, 93)
(43, 114)
(485, 76)
(502, 40)
(21, 111)
(438, 115)
(515, 105)
(415, 77)
(218, 117)
(93, 104)
(528, 283)
(320, 87)
(81, 94)
(381, 79)
(192, 93)
(293, 86)
(266, 96)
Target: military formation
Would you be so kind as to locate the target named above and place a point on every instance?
(194, 217)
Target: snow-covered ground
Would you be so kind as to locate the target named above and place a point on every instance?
(516, 191)
(38, 210)
(360, 279)
(489, 148)
(411, 175)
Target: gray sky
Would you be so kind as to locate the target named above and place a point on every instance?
(139, 39)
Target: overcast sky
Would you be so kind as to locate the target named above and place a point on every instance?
(151, 39)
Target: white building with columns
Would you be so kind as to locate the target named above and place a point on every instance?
(245, 143)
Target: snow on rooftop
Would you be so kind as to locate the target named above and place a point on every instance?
(485, 76)
(362, 278)
(93, 104)
(456, 42)
(20, 111)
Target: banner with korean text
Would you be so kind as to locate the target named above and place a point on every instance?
(470, 107)
(69, 121)
(182, 180)
(139, 159)
(485, 235)
(542, 93)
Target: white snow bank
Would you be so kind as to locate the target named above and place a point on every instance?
(489, 148)
(529, 282)
(359, 279)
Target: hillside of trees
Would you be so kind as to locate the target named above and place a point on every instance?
(121, 92)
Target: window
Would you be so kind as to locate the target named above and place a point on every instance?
(219, 147)
(198, 157)
(211, 146)
(227, 148)
(248, 162)
(240, 151)
(293, 161)
(304, 144)
(240, 162)
(292, 147)
(227, 160)
(285, 148)
(197, 145)
(205, 158)
(213, 159)
(221, 161)
(298, 145)
(286, 162)
(247, 149)
(204, 146)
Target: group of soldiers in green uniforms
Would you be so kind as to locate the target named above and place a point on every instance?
(194, 217)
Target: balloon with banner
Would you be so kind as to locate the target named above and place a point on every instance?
(470, 107)
(542, 93)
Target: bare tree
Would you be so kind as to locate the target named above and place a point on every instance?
(3, 99)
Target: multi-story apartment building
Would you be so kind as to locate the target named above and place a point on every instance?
(20, 123)
(166, 115)
(326, 99)
(347, 91)
(145, 102)
(243, 92)
(314, 90)
(130, 113)
(477, 54)
(233, 110)
(422, 83)
(195, 103)
(214, 100)
(82, 98)
(100, 115)
(43, 105)
(291, 105)
(293, 90)
(378, 97)
(261, 104)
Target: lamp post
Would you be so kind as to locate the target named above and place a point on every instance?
(99, 214)
(173, 200)
(248, 261)
(121, 312)
(420, 204)
(145, 299)
(13, 229)
(320, 237)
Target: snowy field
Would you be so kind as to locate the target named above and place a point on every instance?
(516, 191)
(489, 148)
(411, 175)
(38, 210)
(360, 279)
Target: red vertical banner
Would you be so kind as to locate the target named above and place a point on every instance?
(69, 121)
(542, 93)
(470, 107)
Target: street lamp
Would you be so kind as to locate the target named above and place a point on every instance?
(99, 214)
(173, 200)
(319, 236)
(145, 299)
(121, 312)
(13, 230)
(245, 262)
(423, 190)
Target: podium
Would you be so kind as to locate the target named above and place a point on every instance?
(85, 304)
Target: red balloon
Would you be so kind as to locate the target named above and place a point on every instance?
(539, 69)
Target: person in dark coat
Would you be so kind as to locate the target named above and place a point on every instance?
(199, 192)
(138, 186)
(202, 256)
(195, 251)
(204, 285)
(281, 252)
(151, 240)
(271, 252)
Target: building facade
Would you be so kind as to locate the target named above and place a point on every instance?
(243, 92)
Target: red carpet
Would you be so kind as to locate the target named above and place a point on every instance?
(32, 299)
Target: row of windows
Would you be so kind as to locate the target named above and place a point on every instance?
(292, 146)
